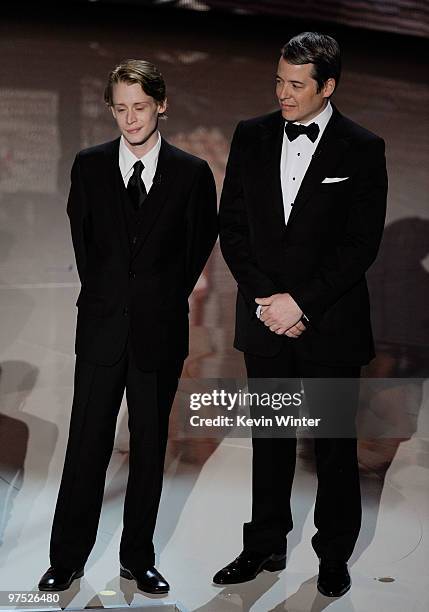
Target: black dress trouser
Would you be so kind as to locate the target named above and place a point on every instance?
(98, 392)
(338, 511)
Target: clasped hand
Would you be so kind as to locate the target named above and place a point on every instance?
(281, 314)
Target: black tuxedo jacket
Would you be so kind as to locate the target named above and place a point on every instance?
(320, 257)
(139, 285)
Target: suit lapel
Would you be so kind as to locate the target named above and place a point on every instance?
(155, 201)
(268, 165)
(152, 205)
(115, 192)
(328, 154)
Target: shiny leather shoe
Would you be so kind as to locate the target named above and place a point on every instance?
(248, 565)
(334, 578)
(58, 578)
(148, 580)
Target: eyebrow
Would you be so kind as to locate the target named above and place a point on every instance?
(290, 81)
(133, 104)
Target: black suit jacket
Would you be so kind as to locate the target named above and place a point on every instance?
(139, 286)
(320, 257)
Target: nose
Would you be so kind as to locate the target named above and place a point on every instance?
(285, 91)
(131, 116)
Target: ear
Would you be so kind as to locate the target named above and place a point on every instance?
(329, 88)
(162, 107)
(113, 111)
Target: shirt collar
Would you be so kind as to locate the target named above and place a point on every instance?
(127, 159)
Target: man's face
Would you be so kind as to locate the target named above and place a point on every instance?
(296, 92)
(135, 112)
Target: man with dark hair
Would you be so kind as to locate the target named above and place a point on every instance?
(143, 221)
(301, 218)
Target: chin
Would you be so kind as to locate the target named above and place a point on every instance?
(137, 140)
(288, 115)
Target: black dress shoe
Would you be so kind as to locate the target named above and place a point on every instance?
(334, 578)
(58, 578)
(248, 565)
(148, 580)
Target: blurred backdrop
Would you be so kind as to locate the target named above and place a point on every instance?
(219, 60)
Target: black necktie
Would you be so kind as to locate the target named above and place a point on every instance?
(136, 188)
(293, 130)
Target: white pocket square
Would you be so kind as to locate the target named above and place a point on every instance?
(335, 179)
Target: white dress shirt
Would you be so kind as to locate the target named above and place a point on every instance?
(127, 159)
(296, 157)
(294, 161)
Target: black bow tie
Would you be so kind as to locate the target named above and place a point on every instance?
(293, 130)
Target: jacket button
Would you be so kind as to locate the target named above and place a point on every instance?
(132, 274)
(125, 311)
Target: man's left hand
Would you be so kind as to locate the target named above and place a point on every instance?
(280, 312)
(296, 330)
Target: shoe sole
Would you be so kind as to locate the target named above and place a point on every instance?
(269, 566)
(62, 587)
(333, 596)
(124, 573)
(275, 566)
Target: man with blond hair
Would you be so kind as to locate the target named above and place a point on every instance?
(143, 223)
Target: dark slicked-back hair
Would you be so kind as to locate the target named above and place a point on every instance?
(318, 49)
(142, 72)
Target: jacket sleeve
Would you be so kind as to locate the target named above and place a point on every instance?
(77, 213)
(201, 225)
(235, 239)
(359, 245)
